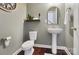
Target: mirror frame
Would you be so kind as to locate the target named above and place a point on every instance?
(57, 15)
(4, 6)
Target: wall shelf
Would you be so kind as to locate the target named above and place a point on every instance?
(32, 20)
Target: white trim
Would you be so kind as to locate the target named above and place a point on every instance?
(42, 45)
(45, 46)
(17, 51)
(70, 50)
(49, 46)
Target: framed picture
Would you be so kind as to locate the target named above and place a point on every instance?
(7, 6)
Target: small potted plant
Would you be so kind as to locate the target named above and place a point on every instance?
(29, 17)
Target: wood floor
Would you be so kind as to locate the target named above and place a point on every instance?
(41, 51)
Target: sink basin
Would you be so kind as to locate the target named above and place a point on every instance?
(55, 30)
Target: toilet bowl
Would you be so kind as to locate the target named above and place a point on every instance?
(28, 45)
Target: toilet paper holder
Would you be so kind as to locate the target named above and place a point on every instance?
(3, 42)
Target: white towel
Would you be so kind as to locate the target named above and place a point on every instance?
(67, 17)
(35, 18)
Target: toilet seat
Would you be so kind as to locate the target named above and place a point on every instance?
(27, 45)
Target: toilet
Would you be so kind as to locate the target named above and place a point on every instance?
(27, 46)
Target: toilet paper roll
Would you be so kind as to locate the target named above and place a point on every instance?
(7, 41)
(8, 38)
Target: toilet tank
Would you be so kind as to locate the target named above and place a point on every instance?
(33, 35)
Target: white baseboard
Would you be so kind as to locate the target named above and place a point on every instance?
(49, 46)
(70, 50)
(45, 46)
(17, 51)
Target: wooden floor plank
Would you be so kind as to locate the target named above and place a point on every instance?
(41, 51)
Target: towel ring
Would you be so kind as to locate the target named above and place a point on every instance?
(68, 9)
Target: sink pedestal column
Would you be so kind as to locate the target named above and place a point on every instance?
(54, 43)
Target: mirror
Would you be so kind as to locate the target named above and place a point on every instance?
(52, 15)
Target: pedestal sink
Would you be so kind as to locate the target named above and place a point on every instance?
(54, 32)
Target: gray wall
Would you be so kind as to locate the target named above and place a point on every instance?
(43, 36)
(11, 24)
